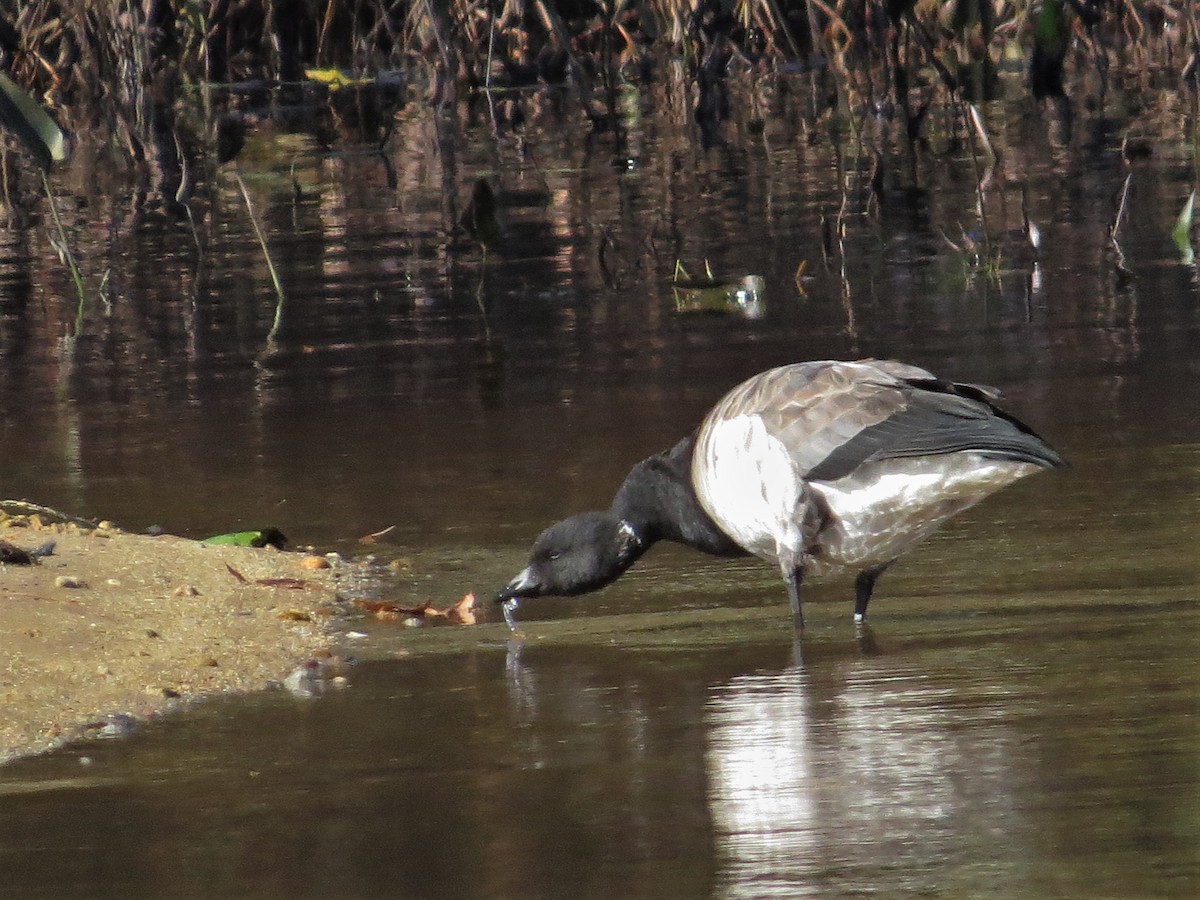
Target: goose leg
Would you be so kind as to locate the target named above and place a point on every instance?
(792, 578)
(864, 585)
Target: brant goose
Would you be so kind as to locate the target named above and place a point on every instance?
(818, 467)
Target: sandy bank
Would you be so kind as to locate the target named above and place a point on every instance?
(153, 621)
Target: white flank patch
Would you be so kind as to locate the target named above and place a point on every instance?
(882, 510)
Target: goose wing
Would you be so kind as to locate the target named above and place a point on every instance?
(835, 416)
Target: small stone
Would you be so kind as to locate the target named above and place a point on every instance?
(185, 590)
(294, 615)
(113, 582)
(207, 662)
(106, 525)
(314, 562)
(307, 680)
(151, 633)
(118, 725)
(68, 581)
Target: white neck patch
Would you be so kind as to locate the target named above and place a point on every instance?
(627, 531)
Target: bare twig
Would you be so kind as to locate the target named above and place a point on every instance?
(262, 242)
(1116, 222)
(63, 245)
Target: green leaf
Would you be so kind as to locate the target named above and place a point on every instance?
(260, 538)
(237, 538)
(1050, 30)
(30, 122)
(1182, 233)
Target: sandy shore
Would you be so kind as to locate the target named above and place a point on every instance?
(118, 623)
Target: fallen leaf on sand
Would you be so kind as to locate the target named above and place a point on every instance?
(14, 555)
(236, 574)
(376, 606)
(376, 535)
(296, 584)
(460, 613)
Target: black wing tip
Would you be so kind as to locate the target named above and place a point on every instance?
(1045, 456)
(1056, 460)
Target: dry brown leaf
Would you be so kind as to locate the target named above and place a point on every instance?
(382, 606)
(376, 606)
(294, 615)
(462, 612)
(376, 535)
(10, 553)
(236, 574)
(296, 584)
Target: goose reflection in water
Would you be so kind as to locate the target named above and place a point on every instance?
(812, 785)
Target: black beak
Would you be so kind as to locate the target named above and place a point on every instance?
(524, 585)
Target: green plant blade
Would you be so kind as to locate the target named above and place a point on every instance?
(30, 122)
(1181, 234)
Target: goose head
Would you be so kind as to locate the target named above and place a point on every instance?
(583, 553)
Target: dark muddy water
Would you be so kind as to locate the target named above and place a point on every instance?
(1023, 719)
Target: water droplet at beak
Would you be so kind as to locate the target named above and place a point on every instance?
(508, 607)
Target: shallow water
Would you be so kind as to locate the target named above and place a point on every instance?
(1041, 746)
(1020, 720)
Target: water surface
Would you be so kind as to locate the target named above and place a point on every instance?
(1020, 720)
